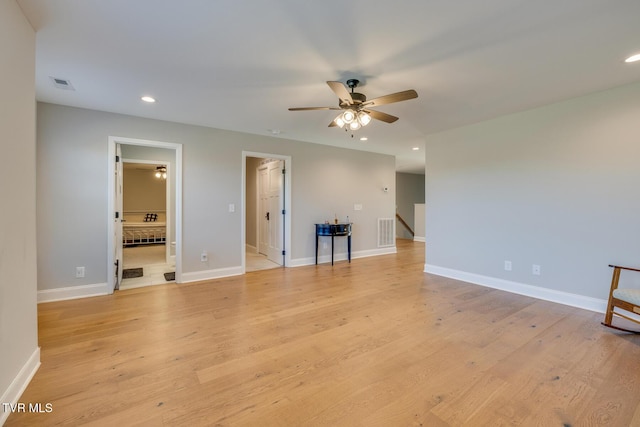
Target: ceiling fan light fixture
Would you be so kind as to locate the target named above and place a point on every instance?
(364, 118)
(161, 172)
(349, 116)
(354, 106)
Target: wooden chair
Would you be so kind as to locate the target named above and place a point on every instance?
(622, 299)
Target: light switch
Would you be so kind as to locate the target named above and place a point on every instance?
(232, 207)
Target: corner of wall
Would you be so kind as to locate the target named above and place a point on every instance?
(20, 383)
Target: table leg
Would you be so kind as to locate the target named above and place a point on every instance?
(349, 247)
(316, 249)
(332, 237)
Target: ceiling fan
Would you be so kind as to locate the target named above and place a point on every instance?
(356, 107)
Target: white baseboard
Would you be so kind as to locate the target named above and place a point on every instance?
(566, 298)
(250, 249)
(343, 256)
(418, 239)
(197, 276)
(20, 383)
(73, 292)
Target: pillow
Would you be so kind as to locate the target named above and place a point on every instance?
(150, 217)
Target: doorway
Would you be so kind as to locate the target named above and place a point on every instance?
(171, 158)
(146, 215)
(266, 222)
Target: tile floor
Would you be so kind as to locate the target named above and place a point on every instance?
(152, 260)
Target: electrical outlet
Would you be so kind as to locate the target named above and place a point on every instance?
(507, 266)
(204, 257)
(535, 269)
(357, 207)
(79, 272)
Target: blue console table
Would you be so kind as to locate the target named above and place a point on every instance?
(334, 230)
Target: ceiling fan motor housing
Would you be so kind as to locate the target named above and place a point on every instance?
(357, 98)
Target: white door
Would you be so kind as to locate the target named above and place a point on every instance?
(117, 218)
(270, 209)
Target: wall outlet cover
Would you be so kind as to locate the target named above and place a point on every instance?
(79, 272)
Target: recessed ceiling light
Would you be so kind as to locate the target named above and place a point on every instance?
(415, 148)
(364, 138)
(633, 58)
(148, 99)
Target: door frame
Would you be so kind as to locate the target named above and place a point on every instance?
(111, 153)
(287, 205)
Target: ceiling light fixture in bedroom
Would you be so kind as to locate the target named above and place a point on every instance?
(161, 172)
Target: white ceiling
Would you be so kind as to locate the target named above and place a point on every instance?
(239, 64)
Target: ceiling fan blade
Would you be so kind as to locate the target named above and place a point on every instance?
(313, 108)
(332, 124)
(378, 115)
(341, 90)
(394, 97)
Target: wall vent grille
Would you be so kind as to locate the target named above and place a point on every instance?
(386, 232)
(63, 84)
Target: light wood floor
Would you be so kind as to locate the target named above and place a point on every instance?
(373, 343)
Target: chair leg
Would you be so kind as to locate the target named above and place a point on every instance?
(608, 318)
(631, 331)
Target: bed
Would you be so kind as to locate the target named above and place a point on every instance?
(143, 231)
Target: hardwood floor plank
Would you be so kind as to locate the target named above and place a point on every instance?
(374, 342)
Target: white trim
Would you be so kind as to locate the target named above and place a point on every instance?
(73, 292)
(251, 249)
(111, 152)
(218, 273)
(566, 298)
(287, 205)
(418, 239)
(342, 256)
(20, 383)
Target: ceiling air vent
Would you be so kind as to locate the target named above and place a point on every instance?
(62, 83)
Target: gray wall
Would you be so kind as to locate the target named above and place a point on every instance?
(72, 162)
(409, 191)
(18, 316)
(556, 186)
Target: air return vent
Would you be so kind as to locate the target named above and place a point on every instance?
(62, 83)
(386, 232)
